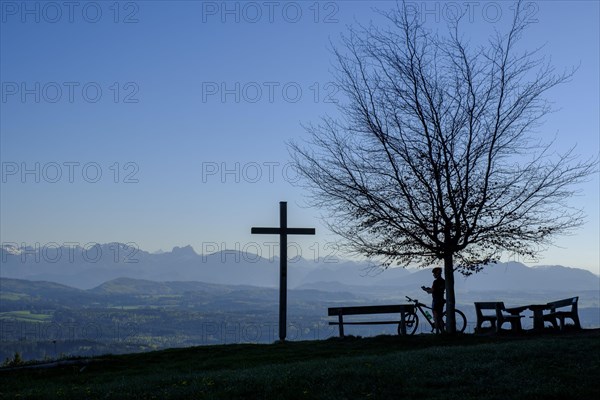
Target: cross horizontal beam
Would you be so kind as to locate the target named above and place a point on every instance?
(285, 231)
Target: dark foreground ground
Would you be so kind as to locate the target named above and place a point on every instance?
(547, 366)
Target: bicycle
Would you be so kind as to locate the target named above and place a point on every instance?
(411, 320)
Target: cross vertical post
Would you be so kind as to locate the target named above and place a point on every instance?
(283, 231)
(282, 270)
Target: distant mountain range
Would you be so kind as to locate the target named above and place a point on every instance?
(89, 268)
(123, 290)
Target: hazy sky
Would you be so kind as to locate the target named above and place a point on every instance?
(164, 123)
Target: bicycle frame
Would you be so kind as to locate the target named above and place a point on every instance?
(419, 306)
(461, 320)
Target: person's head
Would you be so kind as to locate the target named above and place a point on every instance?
(437, 272)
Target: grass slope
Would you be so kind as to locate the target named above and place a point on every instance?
(551, 366)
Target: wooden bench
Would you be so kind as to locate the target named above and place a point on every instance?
(559, 316)
(340, 312)
(498, 317)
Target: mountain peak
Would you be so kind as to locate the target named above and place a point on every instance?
(10, 249)
(186, 251)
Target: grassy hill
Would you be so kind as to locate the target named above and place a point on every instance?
(551, 366)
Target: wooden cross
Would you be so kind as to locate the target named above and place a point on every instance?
(283, 231)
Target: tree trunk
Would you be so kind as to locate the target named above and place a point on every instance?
(450, 299)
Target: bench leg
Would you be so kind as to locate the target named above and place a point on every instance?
(402, 323)
(341, 324)
(516, 325)
(576, 321)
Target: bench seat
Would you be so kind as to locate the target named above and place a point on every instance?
(340, 312)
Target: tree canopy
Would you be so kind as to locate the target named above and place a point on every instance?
(437, 154)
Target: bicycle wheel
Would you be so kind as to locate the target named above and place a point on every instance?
(459, 319)
(411, 322)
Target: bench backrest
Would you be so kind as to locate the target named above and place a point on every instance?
(497, 306)
(570, 302)
(387, 309)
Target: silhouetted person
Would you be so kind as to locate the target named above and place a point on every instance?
(437, 293)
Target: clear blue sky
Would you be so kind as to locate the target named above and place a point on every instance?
(191, 88)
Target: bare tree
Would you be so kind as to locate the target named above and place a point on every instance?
(435, 158)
